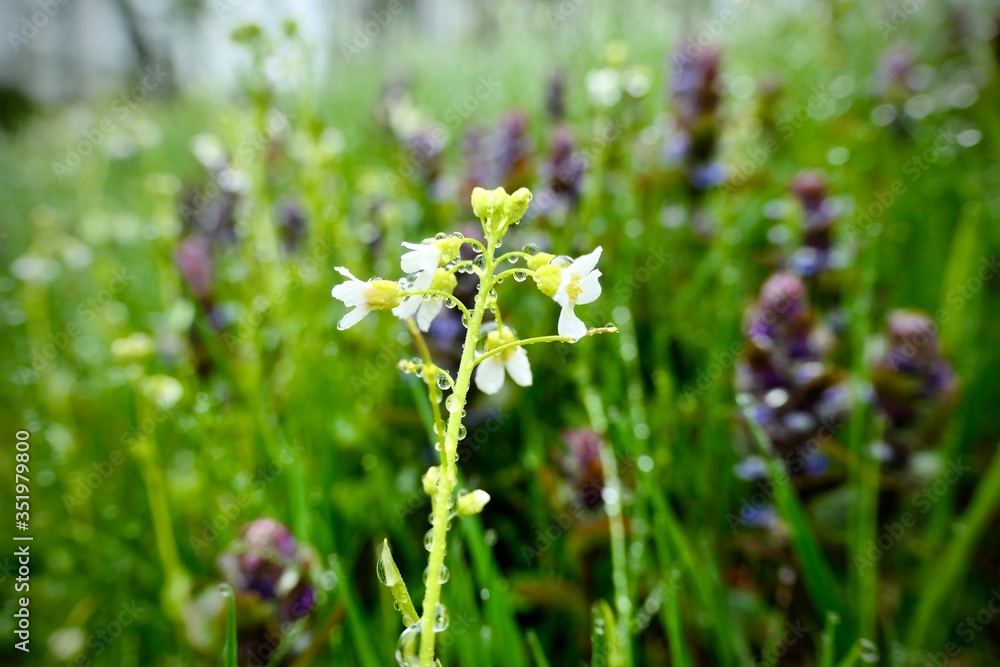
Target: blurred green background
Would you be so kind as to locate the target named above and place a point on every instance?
(168, 244)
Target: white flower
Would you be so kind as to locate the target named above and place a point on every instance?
(422, 309)
(578, 284)
(364, 297)
(490, 373)
(604, 87)
(422, 257)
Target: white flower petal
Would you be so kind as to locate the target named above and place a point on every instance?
(590, 288)
(353, 317)
(342, 270)
(352, 293)
(408, 308)
(428, 311)
(581, 266)
(518, 366)
(562, 294)
(422, 281)
(571, 326)
(490, 375)
(422, 257)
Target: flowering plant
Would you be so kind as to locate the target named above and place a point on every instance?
(492, 350)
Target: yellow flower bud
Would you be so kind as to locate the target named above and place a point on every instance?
(488, 204)
(472, 503)
(548, 278)
(449, 247)
(517, 206)
(539, 260)
(430, 480)
(444, 281)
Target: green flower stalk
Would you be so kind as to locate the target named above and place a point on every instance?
(431, 267)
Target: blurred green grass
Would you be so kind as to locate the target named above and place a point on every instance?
(353, 425)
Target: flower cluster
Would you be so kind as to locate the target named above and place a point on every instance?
(784, 381)
(914, 384)
(431, 268)
(696, 93)
(270, 575)
(814, 255)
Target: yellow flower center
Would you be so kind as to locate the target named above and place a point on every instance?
(574, 288)
(383, 294)
(495, 339)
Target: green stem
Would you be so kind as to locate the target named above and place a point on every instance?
(952, 563)
(449, 453)
(538, 339)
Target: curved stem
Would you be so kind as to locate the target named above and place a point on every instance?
(449, 454)
(443, 295)
(500, 349)
(509, 272)
(433, 391)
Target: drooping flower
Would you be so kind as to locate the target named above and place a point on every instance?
(569, 286)
(422, 309)
(491, 372)
(365, 297)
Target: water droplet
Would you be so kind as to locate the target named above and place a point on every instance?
(429, 539)
(408, 647)
(458, 235)
(386, 573)
(520, 276)
(462, 431)
(465, 321)
(451, 403)
(441, 618)
(499, 243)
(428, 297)
(442, 381)
(512, 259)
(530, 249)
(225, 590)
(490, 537)
(444, 575)
(479, 262)
(440, 236)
